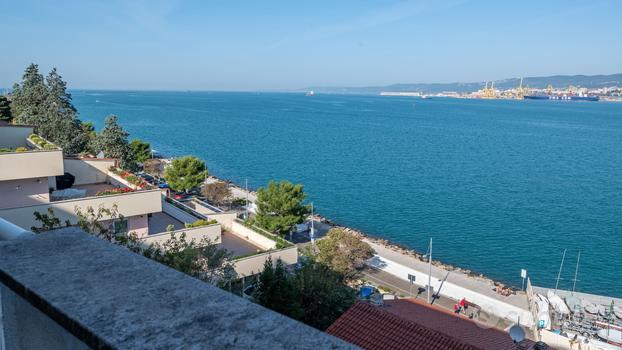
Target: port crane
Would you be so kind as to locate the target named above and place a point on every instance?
(520, 93)
(489, 92)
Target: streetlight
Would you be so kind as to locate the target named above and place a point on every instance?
(429, 267)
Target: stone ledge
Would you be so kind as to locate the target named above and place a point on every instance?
(111, 298)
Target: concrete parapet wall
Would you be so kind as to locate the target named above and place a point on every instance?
(212, 232)
(254, 264)
(31, 164)
(128, 204)
(177, 213)
(88, 170)
(257, 239)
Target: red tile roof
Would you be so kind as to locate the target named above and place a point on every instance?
(409, 325)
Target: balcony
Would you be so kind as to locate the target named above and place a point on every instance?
(24, 155)
(128, 204)
(68, 290)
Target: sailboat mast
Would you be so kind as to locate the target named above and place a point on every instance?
(576, 272)
(560, 271)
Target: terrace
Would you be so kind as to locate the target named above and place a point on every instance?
(24, 155)
(55, 295)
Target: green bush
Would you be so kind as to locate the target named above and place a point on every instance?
(21, 149)
(201, 222)
(49, 145)
(3, 150)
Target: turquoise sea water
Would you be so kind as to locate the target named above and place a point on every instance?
(500, 185)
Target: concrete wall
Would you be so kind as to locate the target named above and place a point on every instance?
(212, 232)
(88, 170)
(128, 204)
(138, 224)
(22, 326)
(263, 242)
(31, 164)
(13, 136)
(225, 219)
(254, 264)
(19, 193)
(177, 213)
(488, 304)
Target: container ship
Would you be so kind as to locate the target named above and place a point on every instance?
(562, 97)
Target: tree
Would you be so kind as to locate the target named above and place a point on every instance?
(217, 192)
(185, 173)
(5, 109)
(28, 98)
(112, 140)
(153, 167)
(344, 252)
(203, 259)
(315, 294)
(322, 295)
(141, 150)
(279, 206)
(275, 289)
(46, 104)
(88, 129)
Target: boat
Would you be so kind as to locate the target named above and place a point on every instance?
(557, 303)
(544, 320)
(611, 336)
(311, 93)
(562, 97)
(574, 304)
(589, 307)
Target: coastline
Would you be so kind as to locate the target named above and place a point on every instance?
(399, 249)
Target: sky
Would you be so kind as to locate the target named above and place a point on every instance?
(283, 45)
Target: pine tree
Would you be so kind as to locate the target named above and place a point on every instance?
(112, 140)
(46, 104)
(28, 98)
(5, 109)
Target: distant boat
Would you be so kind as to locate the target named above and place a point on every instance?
(311, 93)
(425, 97)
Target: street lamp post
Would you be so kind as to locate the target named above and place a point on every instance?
(430, 270)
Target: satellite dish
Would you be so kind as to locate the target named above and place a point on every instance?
(517, 333)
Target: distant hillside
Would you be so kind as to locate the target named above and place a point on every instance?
(588, 81)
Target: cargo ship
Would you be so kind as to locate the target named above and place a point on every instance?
(562, 97)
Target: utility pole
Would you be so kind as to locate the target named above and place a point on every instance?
(560, 271)
(430, 270)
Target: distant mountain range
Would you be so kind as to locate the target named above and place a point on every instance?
(558, 81)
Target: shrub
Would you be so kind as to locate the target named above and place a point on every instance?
(49, 146)
(21, 149)
(114, 191)
(2, 150)
(201, 222)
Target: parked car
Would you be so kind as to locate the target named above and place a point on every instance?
(180, 195)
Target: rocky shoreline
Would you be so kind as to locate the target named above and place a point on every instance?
(501, 287)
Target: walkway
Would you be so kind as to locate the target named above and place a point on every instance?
(455, 284)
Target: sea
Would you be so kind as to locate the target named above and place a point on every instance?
(500, 185)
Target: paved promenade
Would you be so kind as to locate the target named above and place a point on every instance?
(454, 285)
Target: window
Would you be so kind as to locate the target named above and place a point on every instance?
(119, 226)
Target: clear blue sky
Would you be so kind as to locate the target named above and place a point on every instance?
(262, 45)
